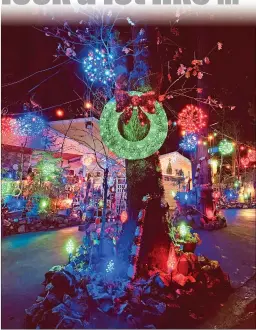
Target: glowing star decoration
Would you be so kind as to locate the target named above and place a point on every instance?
(252, 155)
(29, 125)
(192, 119)
(110, 266)
(189, 142)
(124, 216)
(87, 160)
(245, 161)
(70, 247)
(133, 149)
(183, 229)
(226, 147)
(98, 67)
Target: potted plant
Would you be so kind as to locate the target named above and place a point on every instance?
(181, 235)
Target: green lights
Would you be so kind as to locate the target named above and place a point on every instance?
(133, 149)
(70, 247)
(226, 147)
(183, 229)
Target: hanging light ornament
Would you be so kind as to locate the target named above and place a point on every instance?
(192, 119)
(226, 147)
(87, 160)
(214, 166)
(189, 142)
(245, 161)
(28, 125)
(7, 124)
(252, 155)
(98, 66)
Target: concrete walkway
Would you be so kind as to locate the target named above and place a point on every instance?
(27, 257)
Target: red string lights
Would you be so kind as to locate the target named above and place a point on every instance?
(192, 119)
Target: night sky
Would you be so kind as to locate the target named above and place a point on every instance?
(26, 50)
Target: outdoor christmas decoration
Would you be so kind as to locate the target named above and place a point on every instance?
(7, 124)
(28, 125)
(252, 155)
(87, 160)
(245, 161)
(189, 142)
(70, 246)
(226, 147)
(110, 266)
(98, 66)
(134, 149)
(214, 165)
(124, 216)
(192, 119)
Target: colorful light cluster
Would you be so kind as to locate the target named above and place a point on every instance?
(189, 142)
(192, 119)
(7, 123)
(70, 246)
(245, 161)
(87, 160)
(226, 147)
(252, 155)
(110, 266)
(133, 149)
(99, 67)
(28, 125)
(47, 169)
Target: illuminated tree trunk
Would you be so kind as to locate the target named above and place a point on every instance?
(144, 177)
(205, 182)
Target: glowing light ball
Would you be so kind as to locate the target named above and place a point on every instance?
(252, 155)
(183, 230)
(7, 124)
(47, 169)
(87, 160)
(237, 184)
(98, 67)
(192, 119)
(28, 125)
(110, 266)
(124, 216)
(59, 113)
(189, 142)
(70, 246)
(133, 149)
(43, 204)
(245, 161)
(226, 147)
(101, 203)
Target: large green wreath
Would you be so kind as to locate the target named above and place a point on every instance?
(133, 149)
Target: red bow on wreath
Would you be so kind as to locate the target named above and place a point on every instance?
(144, 103)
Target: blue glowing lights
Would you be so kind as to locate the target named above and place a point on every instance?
(98, 66)
(28, 125)
(189, 142)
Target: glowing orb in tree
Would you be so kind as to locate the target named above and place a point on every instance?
(245, 161)
(189, 142)
(192, 119)
(7, 124)
(226, 147)
(252, 155)
(87, 160)
(28, 125)
(98, 66)
(43, 204)
(124, 216)
(47, 169)
(133, 149)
